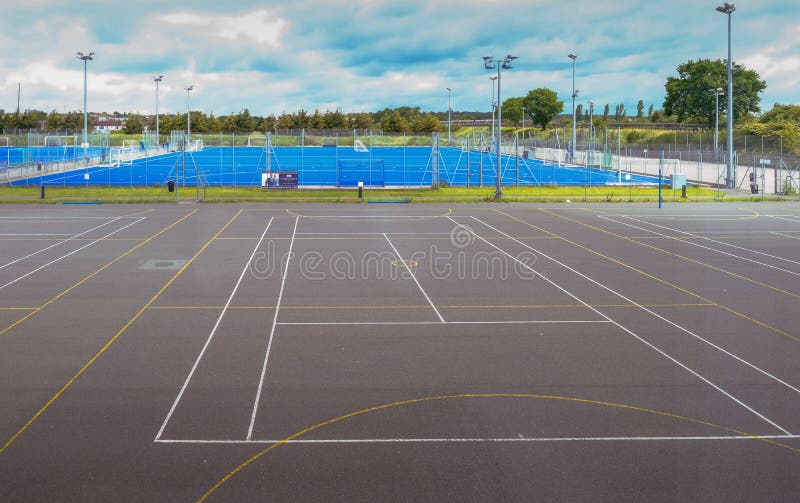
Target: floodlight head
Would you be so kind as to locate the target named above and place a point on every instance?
(448, 89)
(726, 8)
(509, 57)
(572, 56)
(159, 78)
(486, 59)
(85, 57)
(189, 87)
(492, 78)
(719, 90)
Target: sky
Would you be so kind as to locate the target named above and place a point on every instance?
(365, 55)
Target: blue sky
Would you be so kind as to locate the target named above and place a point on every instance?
(365, 55)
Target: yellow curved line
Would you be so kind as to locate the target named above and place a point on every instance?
(413, 401)
(334, 217)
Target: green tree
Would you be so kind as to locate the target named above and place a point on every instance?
(512, 110)
(782, 112)
(393, 122)
(579, 112)
(134, 124)
(640, 110)
(650, 111)
(542, 105)
(688, 95)
(606, 111)
(619, 111)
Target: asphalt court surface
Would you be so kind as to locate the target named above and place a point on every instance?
(400, 352)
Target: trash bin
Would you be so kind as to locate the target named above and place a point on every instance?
(753, 188)
(171, 186)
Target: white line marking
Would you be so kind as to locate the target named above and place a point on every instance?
(521, 322)
(372, 233)
(213, 331)
(272, 333)
(405, 264)
(56, 244)
(707, 247)
(71, 253)
(485, 440)
(783, 234)
(651, 345)
(37, 234)
(787, 218)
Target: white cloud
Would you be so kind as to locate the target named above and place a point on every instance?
(259, 26)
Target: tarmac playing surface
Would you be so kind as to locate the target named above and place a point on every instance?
(492, 352)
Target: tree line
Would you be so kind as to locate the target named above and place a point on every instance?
(401, 119)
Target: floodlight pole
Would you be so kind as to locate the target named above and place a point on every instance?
(730, 179)
(86, 58)
(188, 90)
(449, 110)
(493, 79)
(523, 126)
(573, 57)
(716, 92)
(157, 81)
(501, 64)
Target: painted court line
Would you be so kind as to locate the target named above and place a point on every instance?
(620, 326)
(272, 333)
(748, 250)
(783, 234)
(116, 336)
(213, 332)
(71, 253)
(405, 264)
(56, 244)
(505, 322)
(716, 268)
(483, 440)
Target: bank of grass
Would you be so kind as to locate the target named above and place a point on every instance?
(350, 195)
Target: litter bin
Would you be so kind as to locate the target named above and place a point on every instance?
(171, 186)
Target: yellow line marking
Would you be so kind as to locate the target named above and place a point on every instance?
(372, 238)
(117, 335)
(632, 268)
(415, 401)
(698, 262)
(404, 263)
(537, 306)
(95, 273)
(376, 218)
(709, 218)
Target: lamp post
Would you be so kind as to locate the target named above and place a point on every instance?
(730, 180)
(157, 81)
(493, 79)
(490, 63)
(86, 58)
(188, 90)
(716, 92)
(448, 114)
(523, 126)
(573, 57)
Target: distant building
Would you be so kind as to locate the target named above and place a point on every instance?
(107, 125)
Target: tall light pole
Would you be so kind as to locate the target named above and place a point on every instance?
(490, 63)
(716, 92)
(188, 90)
(574, 95)
(449, 109)
(493, 79)
(523, 126)
(730, 180)
(157, 81)
(591, 125)
(86, 58)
